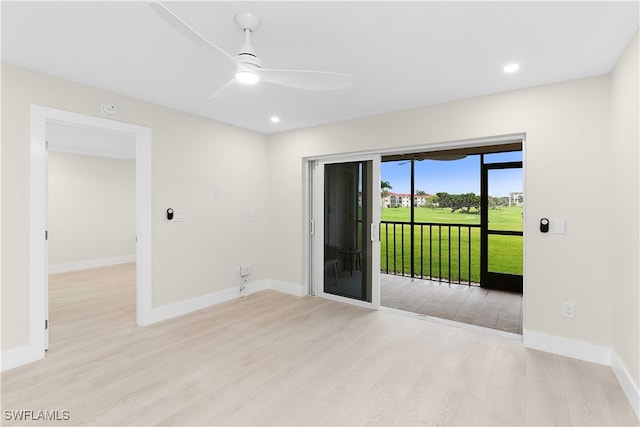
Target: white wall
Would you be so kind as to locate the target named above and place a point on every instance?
(567, 162)
(190, 155)
(92, 210)
(625, 283)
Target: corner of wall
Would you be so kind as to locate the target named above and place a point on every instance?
(629, 387)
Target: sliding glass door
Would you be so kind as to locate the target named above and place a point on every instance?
(346, 217)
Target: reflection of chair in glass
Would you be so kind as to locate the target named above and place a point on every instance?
(331, 260)
(354, 257)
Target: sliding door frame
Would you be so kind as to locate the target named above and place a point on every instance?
(312, 189)
(314, 227)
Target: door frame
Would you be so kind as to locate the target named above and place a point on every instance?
(488, 279)
(38, 260)
(314, 228)
(309, 187)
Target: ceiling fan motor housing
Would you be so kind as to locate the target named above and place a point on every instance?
(247, 56)
(247, 22)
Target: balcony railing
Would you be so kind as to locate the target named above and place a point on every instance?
(442, 252)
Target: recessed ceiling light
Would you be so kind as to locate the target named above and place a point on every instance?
(511, 68)
(275, 119)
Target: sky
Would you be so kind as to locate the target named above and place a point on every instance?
(454, 176)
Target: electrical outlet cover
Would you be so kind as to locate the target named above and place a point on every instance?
(569, 310)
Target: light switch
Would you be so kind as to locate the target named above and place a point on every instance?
(178, 215)
(557, 226)
(215, 191)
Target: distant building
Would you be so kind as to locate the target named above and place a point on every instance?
(394, 200)
(516, 198)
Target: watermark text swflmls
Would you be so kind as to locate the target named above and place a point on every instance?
(36, 415)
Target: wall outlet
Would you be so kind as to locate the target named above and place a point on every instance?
(243, 270)
(569, 310)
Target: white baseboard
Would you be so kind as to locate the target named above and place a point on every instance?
(93, 263)
(567, 347)
(20, 356)
(629, 386)
(288, 288)
(184, 307)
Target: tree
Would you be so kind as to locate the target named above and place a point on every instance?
(433, 201)
(470, 200)
(456, 202)
(444, 199)
(385, 186)
(498, 202)
(421, 193)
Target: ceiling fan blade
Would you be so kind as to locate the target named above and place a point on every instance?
(186, 31)
(307, 80)
(222, 90)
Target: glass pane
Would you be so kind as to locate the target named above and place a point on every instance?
(394, 190)
(506, 156)
(505, 254)
(448, 190)
(347, 244)
(505, 199)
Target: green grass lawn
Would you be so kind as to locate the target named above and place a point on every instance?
(505, 218)
(443, 243)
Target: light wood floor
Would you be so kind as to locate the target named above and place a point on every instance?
(468, 304)
(276, 359)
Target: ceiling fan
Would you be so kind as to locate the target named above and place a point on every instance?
(435, 156)
(247, 64)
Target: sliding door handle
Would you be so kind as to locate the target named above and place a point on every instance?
(375, 232)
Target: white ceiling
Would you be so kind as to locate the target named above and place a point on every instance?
(401, 54)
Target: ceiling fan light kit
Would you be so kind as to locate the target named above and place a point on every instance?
(248, 66)
(247, 77)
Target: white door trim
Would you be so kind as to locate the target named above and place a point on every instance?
(40, 116)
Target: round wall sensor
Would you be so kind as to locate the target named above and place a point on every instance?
(109, 110)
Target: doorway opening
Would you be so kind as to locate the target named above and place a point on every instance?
(452, 234)
(41, 117)
(91, 231)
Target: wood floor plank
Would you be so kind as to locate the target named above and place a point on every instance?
(505, 399)
(319, 379)
(276, 359)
